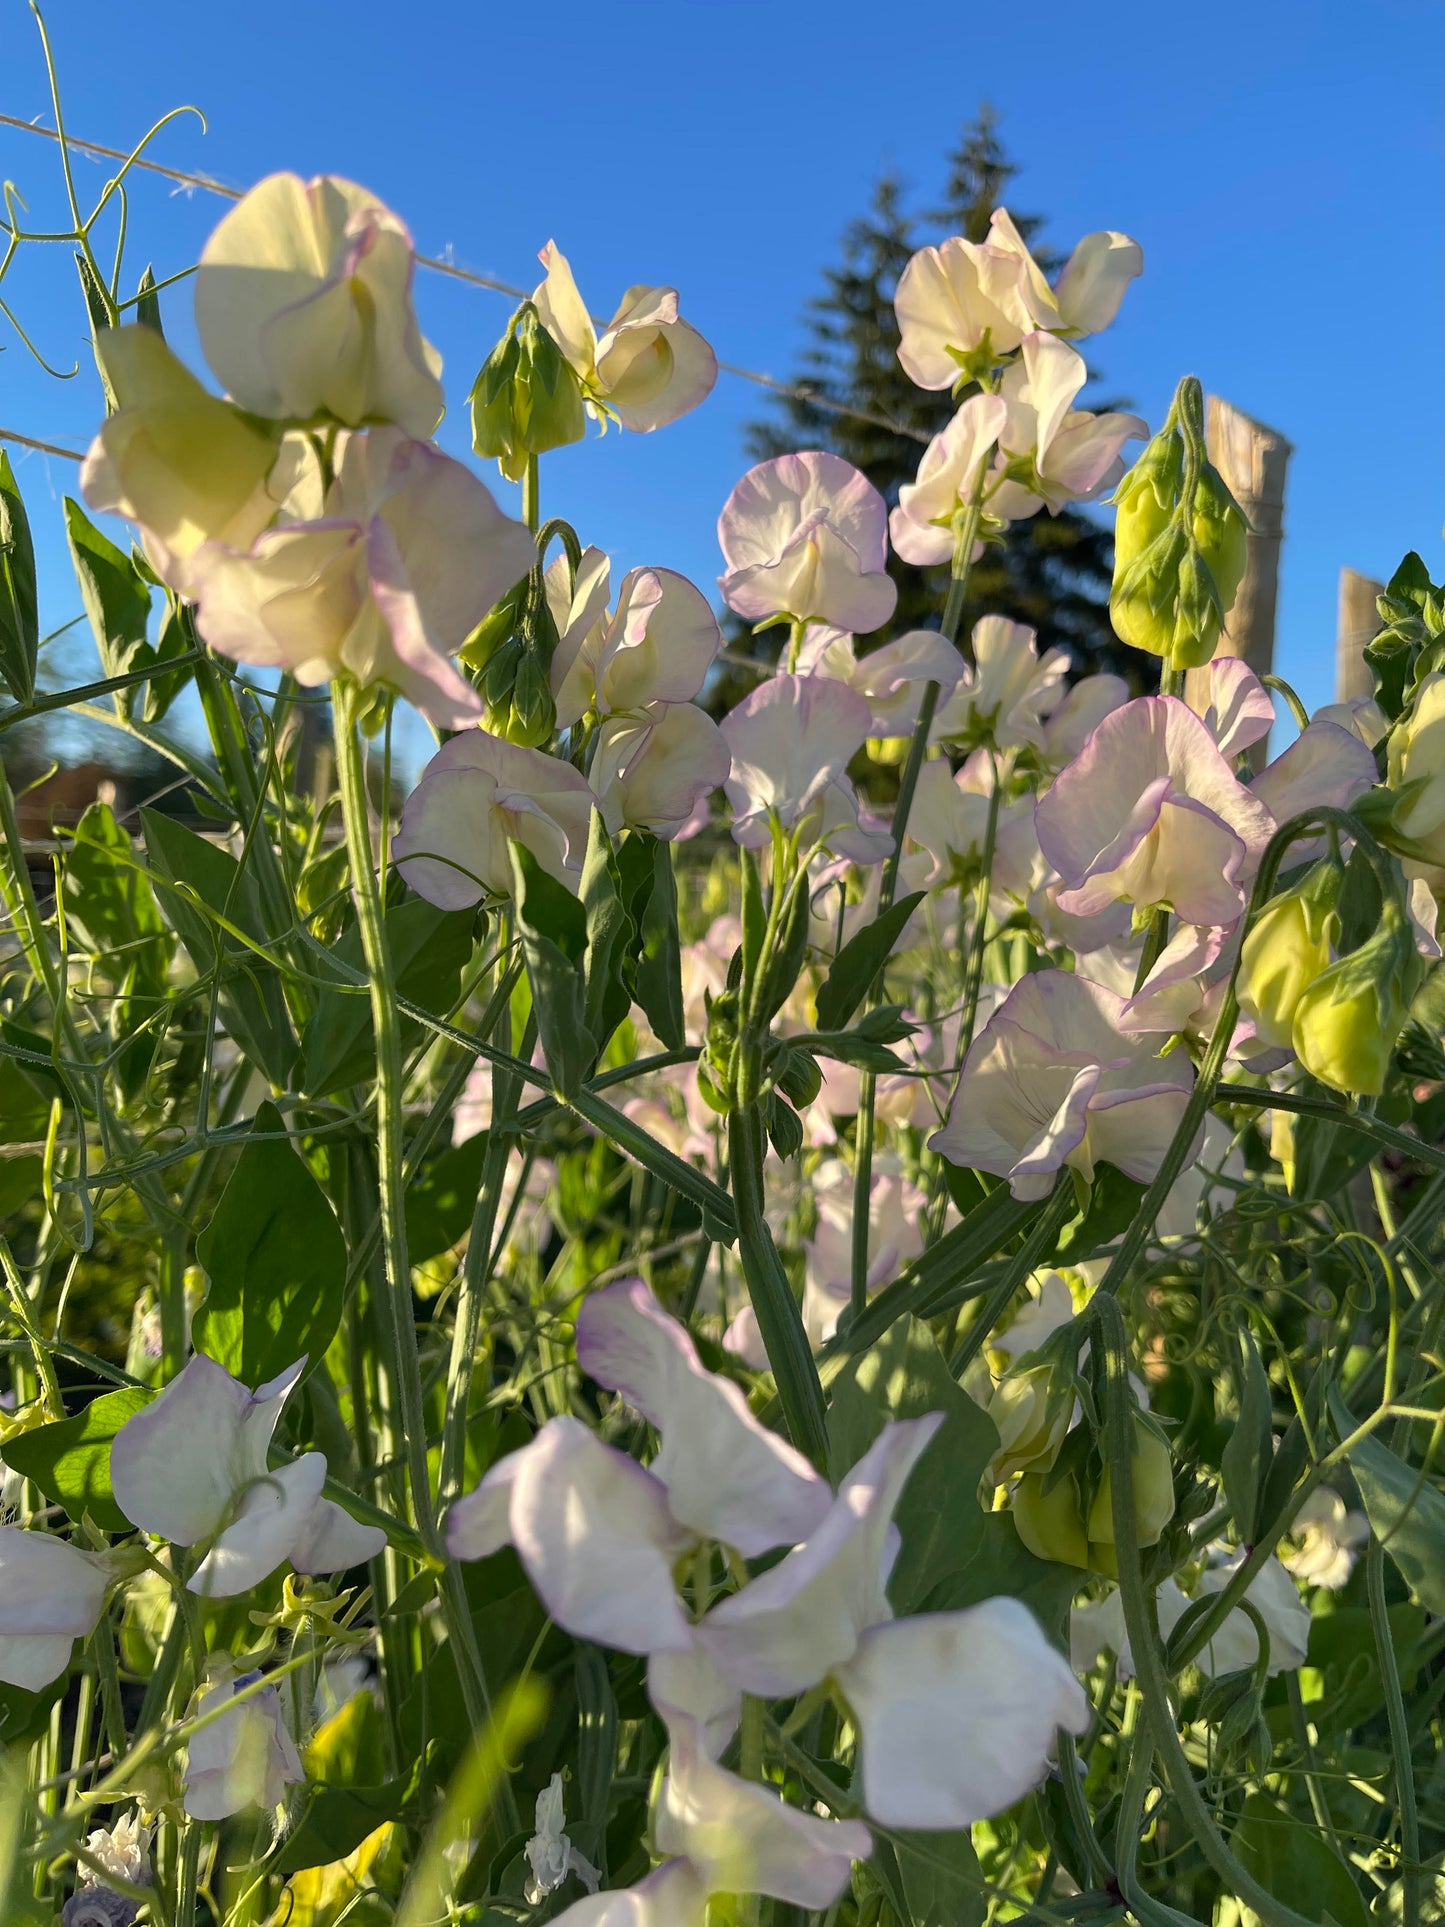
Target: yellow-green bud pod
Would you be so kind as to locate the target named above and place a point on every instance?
(1051, 1524)
(1030, 1434)
(1221, 534)
(527, 398)
(532, 715)
(1287, 948)
(1153, 1470)
(1145, 597)
(1417, 773)
(1347, 1022)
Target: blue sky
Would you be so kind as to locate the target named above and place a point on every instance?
(1282, 164)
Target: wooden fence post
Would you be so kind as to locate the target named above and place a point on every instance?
(1358, 622)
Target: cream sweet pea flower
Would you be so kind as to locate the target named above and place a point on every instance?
(194, 1468)
(895, 1214)
(304, 308)
(245, 1757)
(1324, 1538)
(384, 584)
(1005, 696)
(1052, 1080)
(477, 793)
(51, 1594)
(956, 1712)
(656, 647)
(597, 1534)
(791, 740)
(1069, 727)
(1234, 1647)
(804, 536)
(648, 368)
(921, 527)
(1052, 454)
(184, 466)
(971, 298)
(654, 769)
(892, 678)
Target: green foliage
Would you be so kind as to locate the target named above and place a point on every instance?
(19, 622)
(70, 1459)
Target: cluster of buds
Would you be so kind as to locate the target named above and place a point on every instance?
(527, 398)
(1179, 543)
(510, 654)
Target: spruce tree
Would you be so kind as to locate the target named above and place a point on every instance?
(1052, 572)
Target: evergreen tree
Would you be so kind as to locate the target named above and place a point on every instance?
(1052, 572)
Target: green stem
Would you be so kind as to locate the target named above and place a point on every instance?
(1399, 1732)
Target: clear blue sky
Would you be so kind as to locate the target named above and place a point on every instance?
(1280, 163)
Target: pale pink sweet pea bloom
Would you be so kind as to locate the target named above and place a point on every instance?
(1361, 715)
(649, 366)
(407, 555)
(51, 1594)
(949, 818)
(672, 1895)
(653, 769)
(1008, 692)
(791, 740)
(895, 1213)
(1151, 813)
(892, 678)
(956, 1712)
(1231, 702)
(598, 1535)
(194, 1467)
(805, 536)
(304, 307)
(656, 647)
(475, 794)
(1051, 1080)
(1233, 1648)
(1070, 726)
(921, 527)
(1068, 454)
(950, 297)
(1324, 767)
(245, 1757)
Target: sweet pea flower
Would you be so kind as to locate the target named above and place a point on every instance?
(1069, 727)
(804, 536)
(964, 297)
(1236, 1644)
(194, 1466)
(1046, 1311)
(895, 1211)
(949, 818)
(922, 525)
(51, 1594)
(475, 794)
(1362, 716)
(243, 1758)
(1050, 453)
(1006, 694)
(653, 769)
(407, 555)
(648, 368)
(550, 1854)
(892, 678)
(597, 1534)
(656, 647)
(1324, 1537)
(1151, 813)
(183, 466)
(956, 1712)
(1051, 1080)
(791, 740)
(304, 308)
(1324, 767)
(1231, 702)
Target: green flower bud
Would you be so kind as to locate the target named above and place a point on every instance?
(527, 398)
(530, 716)
(501, 673)
(1287, 948)
(1347, 1021)
(1153, 1470)
(1417, 773)
(1031, 1421)
(1051, 1521)
(495, 627)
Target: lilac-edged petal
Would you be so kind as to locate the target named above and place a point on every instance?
(957, 1713)
(788, 738)
(1175, 989)
(688, 1687)
(894, 678)
(672, 1895)
(272, 1515)
(598, 1541)
(1094, 280)
(260, 1419)
(1032, 1174)
(1325, 767)
(726, 1476)
(790, 1628)
(743, 1839)
(1231, 702)
(655, 770)
(332, 1541)
(481, 1523)
(1085, 706)
(1132, 1129)
(49, 1587)
(171, 1463)
(1194, 863)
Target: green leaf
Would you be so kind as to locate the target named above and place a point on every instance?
(605, 999)
(148, 303)
(553, 927)
(1249, 1450)
(1288, 1856)
(110, 902)
(19, 619)
(1003, 1565)
(439, 1205)
(70, 1460)
(1406, 1512)
(20, 1181)
(276, 1261)
(430, 948)
(859, 962)
(942, 1881)
(252, 1005)
(116, 599)
(941, 1521)
(657, 973)
(1113, 1201)
(24, 1718)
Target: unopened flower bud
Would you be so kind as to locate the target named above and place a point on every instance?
(1050, 1519)
(1347, 1021)
(530, 714)
(1031, 1422)
(1287, 948)
(1153, 1481)
(526, 398)
(497, 626)
(1417, 775)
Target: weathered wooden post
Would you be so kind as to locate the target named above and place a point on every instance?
(1253, 460)
(1358, 621)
